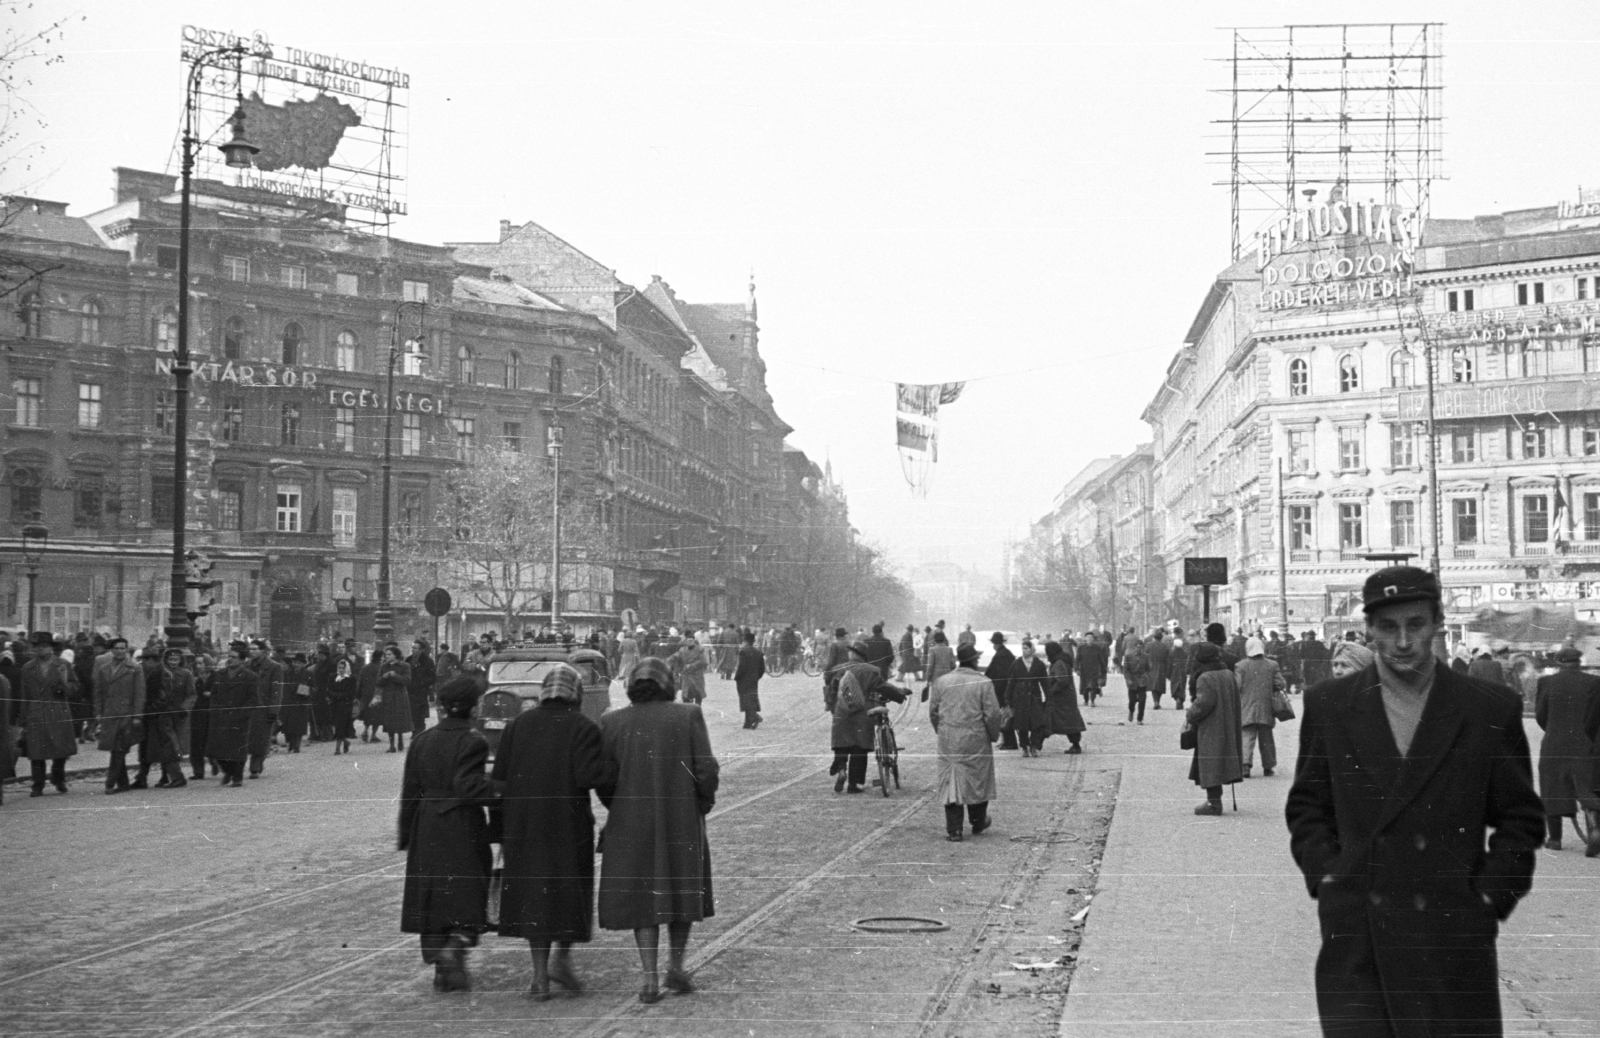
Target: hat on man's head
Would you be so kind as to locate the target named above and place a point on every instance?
(860, 649)
(1216, 634)
(966, 655)
(998, 638)
(42, 638)
(1395, 584)
(1569, 656)
(238, 645)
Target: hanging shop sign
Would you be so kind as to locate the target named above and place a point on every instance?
(1338, 254)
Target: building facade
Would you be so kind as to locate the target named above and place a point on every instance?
(293, 317)
(1290, 431)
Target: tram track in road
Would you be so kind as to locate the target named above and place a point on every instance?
(296, 901)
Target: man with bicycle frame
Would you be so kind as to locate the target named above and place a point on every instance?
(856, 702)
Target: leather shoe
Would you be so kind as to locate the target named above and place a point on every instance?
(1552, 845)
(1209, 808)
(678, 982)
(978, 827)
(838, 783)
(1267, 772)
(953, 837)
(649, 997)
(564, 976)
(856, 789)
(139, 784)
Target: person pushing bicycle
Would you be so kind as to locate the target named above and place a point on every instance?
(856, 701)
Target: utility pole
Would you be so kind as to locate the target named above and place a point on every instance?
(1283, 559)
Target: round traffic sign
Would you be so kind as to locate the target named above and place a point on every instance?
(437, 602)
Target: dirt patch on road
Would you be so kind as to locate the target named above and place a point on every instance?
(1038, 922)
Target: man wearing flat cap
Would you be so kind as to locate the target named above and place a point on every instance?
(1567, 707)
(1414, 820)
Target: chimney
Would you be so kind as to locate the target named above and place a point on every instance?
(505, 229)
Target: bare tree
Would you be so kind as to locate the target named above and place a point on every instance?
(492, 538)
(25, 47)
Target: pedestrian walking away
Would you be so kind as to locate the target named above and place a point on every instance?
(999, 674)
(855, 703)
(1214, 714)
(1567, 709)
(965, 714)
(1061, 699)
(656, 861)
(1260, 686)
(548, 762)
(444, 830)
(44, 688)
(1159, 652)
(747, 675)
(1414, 820)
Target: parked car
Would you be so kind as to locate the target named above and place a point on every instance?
(516, 675)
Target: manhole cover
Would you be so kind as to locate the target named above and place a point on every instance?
(899, 924)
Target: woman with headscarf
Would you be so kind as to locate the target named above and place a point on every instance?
(343, 696)
(1350, 658)
(444, 830)
(1260, 682)
(966, 715)
(1459, 660)
(1026, 699)
(628, 650)
(656, 866)
(394, 686)
(1214, 714)
(1061, 699)
(549, 759)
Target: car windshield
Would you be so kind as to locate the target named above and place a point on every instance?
(505, 672)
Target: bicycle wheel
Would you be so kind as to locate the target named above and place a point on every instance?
(885, 745)
(809, 665)
(893, 754)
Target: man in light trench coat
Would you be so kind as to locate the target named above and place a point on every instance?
(1414, 820)
(966, 714)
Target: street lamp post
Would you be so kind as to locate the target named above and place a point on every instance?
(553, 445)
(238, 152)
(35, 537)
(383, 610)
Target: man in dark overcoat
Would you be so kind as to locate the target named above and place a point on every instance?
(999, 674)
(1159, 652)
(424, 677)
(235, 695)
(45, 687)
(1567, 707)
(881, 652)
(119, 703)
(273, 678)
(747, 675)
(1414, 820)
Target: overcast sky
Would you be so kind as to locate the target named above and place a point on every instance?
(926, 191)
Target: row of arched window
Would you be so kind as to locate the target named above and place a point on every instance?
(1458, 364)
(32, 312)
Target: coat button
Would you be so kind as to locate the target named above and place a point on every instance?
(1419, 902)
(1421, 841)
(1375, 897)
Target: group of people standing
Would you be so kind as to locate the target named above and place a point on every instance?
(650, 763)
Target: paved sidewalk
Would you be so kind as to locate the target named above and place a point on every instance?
(1202, 927)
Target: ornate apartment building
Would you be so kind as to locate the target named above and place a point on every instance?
(669, 431)
(1296, 410)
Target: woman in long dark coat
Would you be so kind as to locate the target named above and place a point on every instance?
(200, 717)
(1214, 712)
(444, 830)
(394, 685)
(423, 677)
(1061, 699)
(1026, 698)
(322, 716)
(549, 759)
(342, 709)
(657, 864)
(294, 713)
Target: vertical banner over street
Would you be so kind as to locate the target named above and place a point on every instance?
(917, 428)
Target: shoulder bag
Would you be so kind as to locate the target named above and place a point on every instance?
(1282, 709)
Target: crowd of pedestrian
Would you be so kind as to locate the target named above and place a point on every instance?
(177, 713)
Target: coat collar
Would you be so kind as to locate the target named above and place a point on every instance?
(1437, 730)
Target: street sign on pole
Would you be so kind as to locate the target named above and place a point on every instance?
(1205, 571)
(436, 602)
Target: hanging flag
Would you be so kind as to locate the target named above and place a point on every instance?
(911, 436)
(1560, 518)
(917, 400)
(950, 391)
